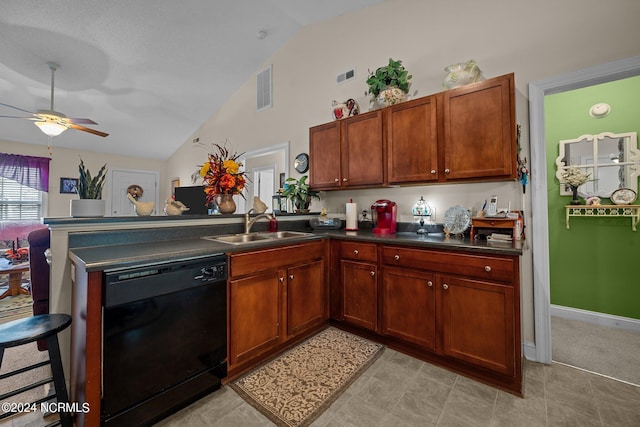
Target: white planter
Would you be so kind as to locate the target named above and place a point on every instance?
(87, 208)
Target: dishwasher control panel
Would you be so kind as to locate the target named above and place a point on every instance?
(212, 273)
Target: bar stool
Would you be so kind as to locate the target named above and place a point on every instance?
(30, 329)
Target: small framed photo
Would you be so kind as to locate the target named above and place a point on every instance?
(175, 182)
(68, 185)
(282, 179)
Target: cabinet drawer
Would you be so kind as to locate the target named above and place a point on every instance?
(273, 258)
(480, 266)
(358, 251)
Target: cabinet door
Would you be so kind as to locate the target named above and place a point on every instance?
(478, 323)
(360, 294)
(255, 305)
(412, 151)
(362, 162)
(306, 297)
(408, 306)
(324, 156)
(479, 130)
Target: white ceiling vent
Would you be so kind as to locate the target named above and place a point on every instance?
(346, 76)
(264, 94)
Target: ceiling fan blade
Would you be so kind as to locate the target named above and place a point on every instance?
(17, 108)
(18, 117)
(81, 121)
(85, 129)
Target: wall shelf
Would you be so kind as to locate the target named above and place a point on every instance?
(608, 211)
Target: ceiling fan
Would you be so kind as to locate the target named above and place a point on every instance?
(50, 121)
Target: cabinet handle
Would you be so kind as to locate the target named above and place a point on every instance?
(487, 268)
(355, 252)
(336, 180)
(433, 171)
(281, 279)
(372, 273)
(429, 283)
(445, 286)
(344, 179)
(291, 277)
(396, 257)
(447, 170)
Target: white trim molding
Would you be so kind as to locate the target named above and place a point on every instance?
(596, 318)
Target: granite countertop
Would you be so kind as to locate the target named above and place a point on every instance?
(115, 257)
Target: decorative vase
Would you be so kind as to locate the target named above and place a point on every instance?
(87, 208)
(462, 74)
(390, 96)
(227, 205)
(575, 199)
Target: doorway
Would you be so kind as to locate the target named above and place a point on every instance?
(264, 167)
(120, 180)
(629, 67)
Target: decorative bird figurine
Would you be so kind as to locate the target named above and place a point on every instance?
(175, 207)
(142, 208)
(258, 205)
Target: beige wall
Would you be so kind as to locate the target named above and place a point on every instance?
(533, 39)
(64, 163)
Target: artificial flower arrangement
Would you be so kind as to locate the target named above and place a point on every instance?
(574, 177)
(221, 173)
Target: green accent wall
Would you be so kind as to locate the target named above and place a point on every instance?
(595, 265)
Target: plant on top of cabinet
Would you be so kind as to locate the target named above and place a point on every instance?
(389, 84)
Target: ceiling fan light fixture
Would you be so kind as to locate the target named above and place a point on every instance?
(50, 128)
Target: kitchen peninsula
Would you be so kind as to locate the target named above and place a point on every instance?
(455, 277)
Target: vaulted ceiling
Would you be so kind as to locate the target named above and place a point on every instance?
(149, 72)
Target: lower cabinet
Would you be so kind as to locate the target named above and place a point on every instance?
(461, 310)
(275, 296)
(409, 306)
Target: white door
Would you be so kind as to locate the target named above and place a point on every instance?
(121, 179)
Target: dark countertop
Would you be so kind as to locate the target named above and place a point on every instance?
(115, 257)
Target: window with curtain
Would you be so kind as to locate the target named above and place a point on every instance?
(22, 181)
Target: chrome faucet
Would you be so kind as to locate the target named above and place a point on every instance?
(248, 222)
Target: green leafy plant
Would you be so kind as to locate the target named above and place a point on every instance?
(393, 74)
(90, 187)
(299, 192)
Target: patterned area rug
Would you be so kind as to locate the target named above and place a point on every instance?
(298, 386)
(15, 307)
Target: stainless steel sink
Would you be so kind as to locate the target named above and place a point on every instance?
(238, 239)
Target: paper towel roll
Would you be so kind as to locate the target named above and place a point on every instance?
(352, 216)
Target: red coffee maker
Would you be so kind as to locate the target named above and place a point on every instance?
(384, 214)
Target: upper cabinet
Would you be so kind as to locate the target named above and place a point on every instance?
(463, 134)
(347, 153)
(479, 130)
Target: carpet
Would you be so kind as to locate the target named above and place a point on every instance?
(298, 386)
(15, 307)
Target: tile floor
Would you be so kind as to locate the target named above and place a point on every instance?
(398, 391)
(401, 391)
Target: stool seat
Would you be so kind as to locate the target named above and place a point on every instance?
(29, 329)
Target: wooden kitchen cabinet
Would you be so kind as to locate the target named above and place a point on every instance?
(476, 305)
(359, 284)
(478, 323)
(409, 306)
(276, 295)
(479, 130)
(347, 153)
(412, 141)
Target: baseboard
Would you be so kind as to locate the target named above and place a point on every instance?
(529, 350)
(601, 319)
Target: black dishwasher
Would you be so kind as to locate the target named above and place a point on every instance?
(164, 338)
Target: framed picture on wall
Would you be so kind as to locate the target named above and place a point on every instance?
(68, 185)
(282, 179)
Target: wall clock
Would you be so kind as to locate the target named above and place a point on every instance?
(301, 163)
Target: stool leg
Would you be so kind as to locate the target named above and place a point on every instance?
(58, 378)
(1, 356)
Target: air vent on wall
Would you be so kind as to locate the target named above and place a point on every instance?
(264, 89)
(346, 76)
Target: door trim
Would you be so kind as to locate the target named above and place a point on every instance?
(628, 67)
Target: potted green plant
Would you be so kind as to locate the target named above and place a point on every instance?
(90, 193)
(389, 84)
(300, 194)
